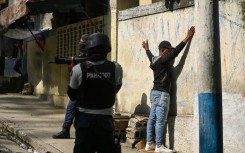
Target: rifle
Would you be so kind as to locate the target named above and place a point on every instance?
(68, 60)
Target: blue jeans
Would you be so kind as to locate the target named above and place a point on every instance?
(69, 116)
(158, 115)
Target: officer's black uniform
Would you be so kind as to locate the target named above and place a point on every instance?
(69, 116)
(94, 85)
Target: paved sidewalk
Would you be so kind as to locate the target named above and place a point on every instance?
(35, 121)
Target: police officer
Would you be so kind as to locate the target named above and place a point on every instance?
(69, 116)
(94, 85)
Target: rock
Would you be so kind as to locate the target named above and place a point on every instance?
(27, 89)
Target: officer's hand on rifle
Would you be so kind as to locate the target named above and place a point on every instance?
(70, 65)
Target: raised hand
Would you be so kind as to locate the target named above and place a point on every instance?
(190, 34)
(145, 45)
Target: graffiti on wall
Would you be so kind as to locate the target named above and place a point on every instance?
(232, 47)
(133, 58)
(156, 28)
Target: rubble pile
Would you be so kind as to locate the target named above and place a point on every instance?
(27, 89)
(120, 123)
(136, 130)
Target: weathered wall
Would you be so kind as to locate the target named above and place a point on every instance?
(51, 80)
(232, 38)
(138, 77)
(124, 4)
(182, 135)
(47, 78)
(183, 129)
(232, 47)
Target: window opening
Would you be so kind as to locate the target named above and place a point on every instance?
(68, 37)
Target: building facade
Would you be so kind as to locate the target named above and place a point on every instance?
(128, 23)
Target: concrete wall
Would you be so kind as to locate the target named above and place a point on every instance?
(183, 127)
(146, 2)
(232, 38)
(182, 135)
(132, 56)
(138, 77)
(49, 80)
(124, 4)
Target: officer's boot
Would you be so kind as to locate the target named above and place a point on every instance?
(64, 134)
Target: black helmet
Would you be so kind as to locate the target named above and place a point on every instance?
(99, 42)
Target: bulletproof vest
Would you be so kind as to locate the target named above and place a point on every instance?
(98, 87)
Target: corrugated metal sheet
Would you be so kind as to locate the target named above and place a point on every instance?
(10, 14)
(18, 33)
